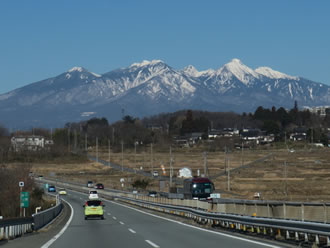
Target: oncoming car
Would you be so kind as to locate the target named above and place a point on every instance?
(90, 184)
(51, 188)
(93, 195)
(94, 209)
(62, 192)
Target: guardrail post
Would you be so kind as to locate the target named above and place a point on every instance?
(268, 211)
(302, 212)
(306, 237)
(287, 235)
(317, 240)
(325, 213)
(284, 211)
(7, 232)
(10, 232)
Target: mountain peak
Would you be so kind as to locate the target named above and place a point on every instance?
(147, 62)
(239, 70)
(81, 69)
(190, 70)
(77, 68)
(270, 73)
(236, 61)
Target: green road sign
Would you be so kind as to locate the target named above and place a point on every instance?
(25, 199)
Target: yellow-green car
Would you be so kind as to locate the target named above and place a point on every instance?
(94, 208)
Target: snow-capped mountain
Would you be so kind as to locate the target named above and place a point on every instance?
(151, 87)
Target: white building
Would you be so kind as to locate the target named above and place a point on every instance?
(31, 143)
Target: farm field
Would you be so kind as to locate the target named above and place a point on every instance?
(302, 174)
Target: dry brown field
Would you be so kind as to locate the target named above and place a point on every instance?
(299, 175)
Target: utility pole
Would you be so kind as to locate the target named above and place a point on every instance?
(109, 150)
(68, 139)
(285, 178)
(171, 167)
(205, 164)
(312, 136)
(113, 135)
(135, 157)
(97, 151)
(75, 140)
(228, 175)
(242, 162)
(122, 155)
(151, 162)
(86, 142)
(225, 158)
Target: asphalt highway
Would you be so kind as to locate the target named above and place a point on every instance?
(127, 227)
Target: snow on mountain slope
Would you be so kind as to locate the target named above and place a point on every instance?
(270, 73)
(236, 68)
(150, 86)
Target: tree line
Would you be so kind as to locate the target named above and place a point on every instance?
(161, 129)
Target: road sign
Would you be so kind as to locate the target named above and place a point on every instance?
(25, 199)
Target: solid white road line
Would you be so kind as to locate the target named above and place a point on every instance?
(131, 230)
(152, 244)
(50, 242)
(198, 228)
(122, 223)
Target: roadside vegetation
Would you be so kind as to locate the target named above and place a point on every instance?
(10, 176)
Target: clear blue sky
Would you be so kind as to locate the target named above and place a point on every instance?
(43, 38)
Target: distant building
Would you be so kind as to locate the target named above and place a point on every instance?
(299, 134)
(320, 110)
(214, 133)
(30, 143)
(257, 136)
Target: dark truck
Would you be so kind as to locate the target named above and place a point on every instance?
(197, 188)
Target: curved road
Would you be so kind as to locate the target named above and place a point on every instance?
(127, 227)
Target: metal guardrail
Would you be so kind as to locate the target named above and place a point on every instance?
(13, 228)
(298, 231)
(44, 217)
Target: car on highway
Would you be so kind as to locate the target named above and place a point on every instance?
(51, 188)
(93, 195)
(99, 186)
(152, 194)
(62, 191)
(155, 174)
(94, 209)
(90, 184)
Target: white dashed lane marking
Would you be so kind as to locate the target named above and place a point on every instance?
(114, 218)
(152, 244)
(122, 223)
(131, 230)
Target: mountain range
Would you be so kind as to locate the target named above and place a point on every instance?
(153, 87)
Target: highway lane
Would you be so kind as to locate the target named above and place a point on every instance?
(127, 227)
